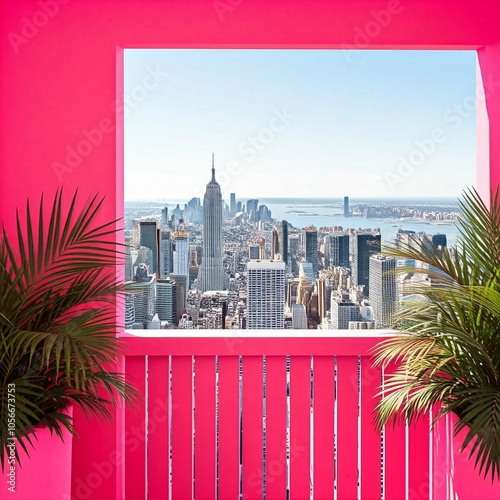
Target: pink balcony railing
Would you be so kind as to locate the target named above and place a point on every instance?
(199, 444)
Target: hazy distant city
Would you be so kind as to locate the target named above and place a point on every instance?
(222, 262)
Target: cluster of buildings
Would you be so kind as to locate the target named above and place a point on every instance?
(428, 214)
(212, 265)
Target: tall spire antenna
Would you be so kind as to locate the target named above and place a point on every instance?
(213, 168)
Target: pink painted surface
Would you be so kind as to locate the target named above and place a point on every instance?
(467, 482)
(371, 444)
(97, 463)
(489, 125)
(341, 345)
(182, 437)
(205, 457)
(442, 459)
(158, 438)
(229, 431)
(275, 427)
(418, 463)
(347, 426)
(47, 469)
(395, 456)
(135, 423)
(323, 426)
(252, 426)
(300, 404)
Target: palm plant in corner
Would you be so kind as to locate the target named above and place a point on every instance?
(58, 325)
(448, 348)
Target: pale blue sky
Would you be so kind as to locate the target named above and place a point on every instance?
(348, 125)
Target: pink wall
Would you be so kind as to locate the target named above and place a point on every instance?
(47, 469)
(60, 75)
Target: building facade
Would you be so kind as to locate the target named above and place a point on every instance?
(165, 254)
(265, 294)
(338, 250)
(149, 239)
(166, 300)
(212, 269)
(342, 312)
(383, 290)
(310, 246)
(364, 244)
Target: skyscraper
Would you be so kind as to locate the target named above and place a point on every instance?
(143, 289)
(166, 300)
(129, 264)
(181, 256)
(129, 311)
(252, 206)
(254, 252)
(343, 311)
(439, 240)
(275, 247)
(212, 268)
(266, 294)
(299, 317)
(149, 239)
(310, 243)
(346, 206)
(363, 245)
(338, 250)
(164, 216)
(165, 254)
(232, 203)
(181, 253)
(383, 289)
(284, 242)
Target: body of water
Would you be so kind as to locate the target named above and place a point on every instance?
(323, 212)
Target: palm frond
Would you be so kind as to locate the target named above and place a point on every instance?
(58, 318)
(448, 347)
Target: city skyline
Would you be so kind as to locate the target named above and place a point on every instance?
(390, 119)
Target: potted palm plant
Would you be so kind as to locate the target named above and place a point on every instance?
(448, 346)
(58, 325)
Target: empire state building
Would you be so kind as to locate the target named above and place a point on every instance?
(212, 268)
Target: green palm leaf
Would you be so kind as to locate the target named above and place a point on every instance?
(58, 319)
(448, 346)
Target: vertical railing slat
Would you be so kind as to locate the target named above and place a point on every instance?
(182, 432)
(205, 420)
(135, 429)
(300, 416)
(418, 466)
(347, 427)
(158, 430)
(371, 444)
(323, 426)
(395, 456)
(354, 471)
(252, 426)
(229, 432)
(276, 420)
